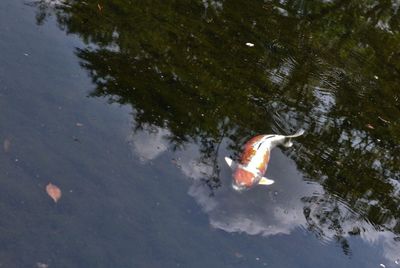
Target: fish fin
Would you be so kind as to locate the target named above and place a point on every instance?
(265, 181)
(232, 164)
(289, 143)
(228, 161)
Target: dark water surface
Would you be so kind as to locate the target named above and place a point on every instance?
(130, 107)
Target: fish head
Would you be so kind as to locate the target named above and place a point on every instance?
(243, 179)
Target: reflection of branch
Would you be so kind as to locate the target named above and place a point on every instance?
(345, 245)
(323, 213)
(215, 182)
(328, 10)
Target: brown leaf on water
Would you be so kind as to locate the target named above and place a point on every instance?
(6, 145)
(53, 191)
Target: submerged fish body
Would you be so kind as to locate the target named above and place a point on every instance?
(254, 159)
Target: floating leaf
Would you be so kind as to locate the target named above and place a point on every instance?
(370, 126)
(53, 191)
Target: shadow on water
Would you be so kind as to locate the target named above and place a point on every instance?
(330, 67)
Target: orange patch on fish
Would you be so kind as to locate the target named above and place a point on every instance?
(263, 165)
(249, 151)
(243, 177)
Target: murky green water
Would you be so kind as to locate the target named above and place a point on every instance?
(130, 108)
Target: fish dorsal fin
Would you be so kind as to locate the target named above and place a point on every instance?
(265, 181)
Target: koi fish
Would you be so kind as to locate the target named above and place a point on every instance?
(254, 160)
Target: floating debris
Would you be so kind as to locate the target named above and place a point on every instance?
(41, 265)
(382, 265)
(249, 44)
(6, 145)
(53, 191)
(176, 162)
(370, 126)
(79, 124)
(384, 120)
(238, 255)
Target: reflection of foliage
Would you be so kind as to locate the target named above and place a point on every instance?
(45, 8)
(319, 65)
(327, 214)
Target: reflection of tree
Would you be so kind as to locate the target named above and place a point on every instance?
(318, 65)
(327, 214)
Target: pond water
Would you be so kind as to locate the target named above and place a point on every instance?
(130, 108)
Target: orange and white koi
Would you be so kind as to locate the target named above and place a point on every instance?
(254, 159)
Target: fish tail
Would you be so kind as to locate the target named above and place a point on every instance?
(288, 139)
(297, 134)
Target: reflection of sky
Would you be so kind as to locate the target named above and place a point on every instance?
(107, 207)
(217, 5)
(266, 211)
(150, 143)
(280, 75)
